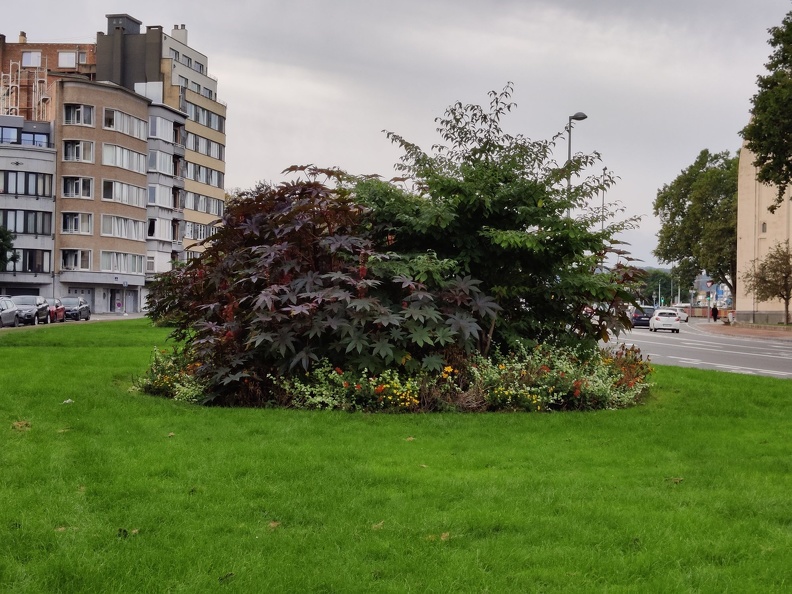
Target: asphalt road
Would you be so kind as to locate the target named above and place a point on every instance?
(696, 345)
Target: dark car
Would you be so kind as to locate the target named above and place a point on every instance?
(57, 311)
(77, 308)
(641, 315)
(32, 309)
(9, 315)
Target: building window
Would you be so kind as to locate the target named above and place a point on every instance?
(78, 150)
(125, 123)
(187, 61)
(76, 222)
(160, 162)
(183, 82)
(78, 187)
(75, 259)
(207, 93)
(78, 114)
(36, 261)
(121, 262)
(123, 193)
(26, 183)
(35, 139)
(173, 54)
(9, 135)
(82, 57)
(31, 59)
(119, 156)
(198, 67)
(149, 263)
(27, 222)
(67, 59)
(764, 227)
(122, 228)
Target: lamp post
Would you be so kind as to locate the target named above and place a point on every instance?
(579, 116)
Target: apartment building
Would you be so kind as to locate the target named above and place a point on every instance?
(169, 72)
(758, 230)
(112, 161)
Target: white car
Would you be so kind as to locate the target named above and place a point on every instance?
(664, 319)
(683, 315)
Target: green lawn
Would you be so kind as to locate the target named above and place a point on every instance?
(121, 492)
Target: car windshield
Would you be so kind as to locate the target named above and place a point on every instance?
(24, 300)
(69, 301)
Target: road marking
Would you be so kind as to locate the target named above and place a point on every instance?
(735, 368)
(717, 350)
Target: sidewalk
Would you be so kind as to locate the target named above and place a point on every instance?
(742, 329)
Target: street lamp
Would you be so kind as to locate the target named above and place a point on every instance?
(579, 116)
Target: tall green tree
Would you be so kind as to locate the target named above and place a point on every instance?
(768, 133)
(698, 216)
(6, 247)
(497, 205)
(771, 277)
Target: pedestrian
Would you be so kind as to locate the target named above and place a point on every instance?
(714, 313)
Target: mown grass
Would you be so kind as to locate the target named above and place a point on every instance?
(121, 492)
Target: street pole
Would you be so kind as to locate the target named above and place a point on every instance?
(579, 116)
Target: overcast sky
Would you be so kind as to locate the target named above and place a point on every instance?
(312, 81)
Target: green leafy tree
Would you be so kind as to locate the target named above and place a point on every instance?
(771, 277)
(767, 134)
(497, 204)
(6, 247)
(698, 216)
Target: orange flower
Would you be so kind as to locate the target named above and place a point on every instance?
(339, 371)
(346, 384)
(379, 389)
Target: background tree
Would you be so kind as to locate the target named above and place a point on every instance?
(6, 247)
(771, 277)
(698, 215)
(768, 133)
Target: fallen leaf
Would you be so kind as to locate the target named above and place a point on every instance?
(227, 577)
(60, 529)
(68, 401)
(274, 525)
(21, 425)
(135, 531)
(378, 525)
(424, 466)
(445, 536)
(171, 434)
(64, 430)
(411, 438)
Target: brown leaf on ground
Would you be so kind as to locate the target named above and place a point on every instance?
(411, 438)
(445, 536)
(274, 525)
(64, 430)
(136, 531)
(21, 425)
(378, 525)
(60, 529)
(171, 434)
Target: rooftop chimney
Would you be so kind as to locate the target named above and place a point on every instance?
(179, 33)
(22, 37)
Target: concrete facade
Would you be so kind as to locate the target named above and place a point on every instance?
(112, 161)
(758, 230)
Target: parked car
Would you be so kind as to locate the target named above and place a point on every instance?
(77, 308)
(664, 319)
(640, 316)
(57, 311)
(9, 315)
(32, 309)
(683, 315)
